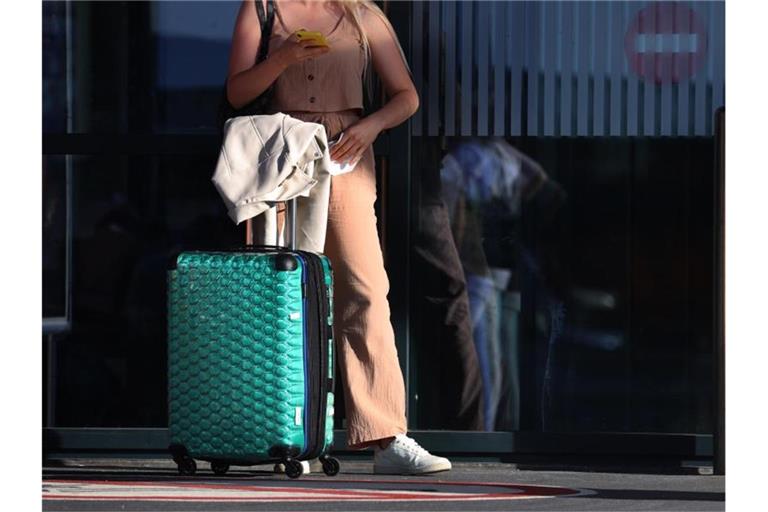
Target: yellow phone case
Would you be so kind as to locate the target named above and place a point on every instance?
(317, 37)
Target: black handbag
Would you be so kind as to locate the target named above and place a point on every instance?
(261, 103)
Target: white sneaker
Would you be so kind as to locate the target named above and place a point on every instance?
(306, 468)
(404, 456)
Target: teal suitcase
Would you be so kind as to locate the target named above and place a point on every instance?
(250, 359)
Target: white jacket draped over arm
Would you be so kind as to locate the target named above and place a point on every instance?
(266, 159)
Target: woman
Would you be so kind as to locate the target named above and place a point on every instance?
(325, 85)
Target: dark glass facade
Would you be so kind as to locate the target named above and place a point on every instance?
(590, 298)
(556, 281)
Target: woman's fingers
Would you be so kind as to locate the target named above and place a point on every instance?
(340, 149)
(319, 50)
(346, 153)
(307, 52)
(350, 157)
(308, 44)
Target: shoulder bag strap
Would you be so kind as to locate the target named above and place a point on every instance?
(266, 21)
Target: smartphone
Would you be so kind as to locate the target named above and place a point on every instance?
(316, 37)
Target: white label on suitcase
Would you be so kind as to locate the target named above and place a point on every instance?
(297, 417)
(295, 315)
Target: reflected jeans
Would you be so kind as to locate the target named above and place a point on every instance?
(508, 411)
(484, 306)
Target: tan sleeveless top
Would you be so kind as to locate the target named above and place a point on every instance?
(329, 83)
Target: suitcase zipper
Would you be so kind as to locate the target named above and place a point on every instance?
(318, 355)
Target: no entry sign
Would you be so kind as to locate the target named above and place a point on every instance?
(666, 42)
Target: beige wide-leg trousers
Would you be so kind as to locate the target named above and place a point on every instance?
(374, 392)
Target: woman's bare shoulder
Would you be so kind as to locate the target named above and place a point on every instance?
(373, 21)
(365, 12)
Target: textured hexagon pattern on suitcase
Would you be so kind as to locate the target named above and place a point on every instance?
(236, 364)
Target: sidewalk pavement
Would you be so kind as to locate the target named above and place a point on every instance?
(154, 484)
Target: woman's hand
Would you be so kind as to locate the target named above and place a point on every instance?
(294, 51)
(357, 137)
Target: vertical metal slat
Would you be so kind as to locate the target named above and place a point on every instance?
(566, 67)
(683, 26)
(516, 19)
(649, 26)
(632, 106)
(700, 89)
(466, 67)
(667, 28)
(583, 42)
(549, 41)
(710, 67)
(600, 42)
(718, 55)
(449, 33)
(532, 60)
(499, 47)
(617, 29)
(482, 32)
(433, 68)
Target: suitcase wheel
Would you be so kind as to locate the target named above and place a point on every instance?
(219, 468)
(331, 466)
(187, 466)
(293, 468)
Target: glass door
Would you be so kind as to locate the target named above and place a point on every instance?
(562, 225)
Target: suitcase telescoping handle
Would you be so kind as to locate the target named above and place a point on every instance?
(290, 230)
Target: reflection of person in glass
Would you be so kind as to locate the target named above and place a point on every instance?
(321, 80)
(485, 185)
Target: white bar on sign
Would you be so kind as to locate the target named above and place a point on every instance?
(666, 43)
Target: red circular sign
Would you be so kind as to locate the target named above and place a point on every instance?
(666, 42)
